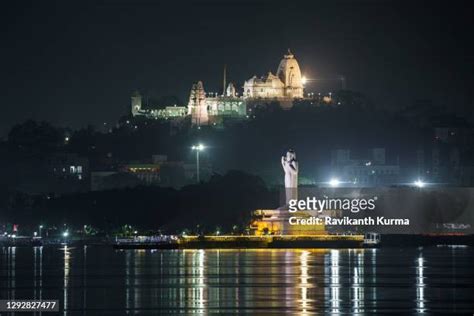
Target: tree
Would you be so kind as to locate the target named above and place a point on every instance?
(35, 136)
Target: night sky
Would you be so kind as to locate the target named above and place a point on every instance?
(74, 63)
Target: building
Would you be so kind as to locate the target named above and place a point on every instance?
(167, 112)
(147, 173)
(157, 171)
(226, 107)
(170, 112)
(68, 166)
(65, 173)
(286, 84)
(367, 171)
(266, 87)
(276, 222)
(212, 109)
(197, 106)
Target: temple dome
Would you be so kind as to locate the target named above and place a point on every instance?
(286, 84)
(289, 71)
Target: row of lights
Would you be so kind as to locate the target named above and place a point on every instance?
(199, 147)
(311, 94)
(64, 234)
(335, 182)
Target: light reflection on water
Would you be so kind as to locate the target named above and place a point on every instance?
(298, 282)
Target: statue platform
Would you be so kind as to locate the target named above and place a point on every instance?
(276, 222)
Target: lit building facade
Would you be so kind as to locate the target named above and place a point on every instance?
(197, 105)
(286, 84)
(227, 105)
(168, 112)
(267, 87)
(209, 109)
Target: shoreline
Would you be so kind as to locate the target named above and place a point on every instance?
(268, 242)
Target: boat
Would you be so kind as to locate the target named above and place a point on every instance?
(371, 240)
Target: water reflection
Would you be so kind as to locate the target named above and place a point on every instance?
(128, 287)
(358, 284)
(420, 285)
(84, 279)
(67, 258)
(38, 273)
(11, 266)
(332, 290)
(304, 282)
(299, 282)
(199, 282)
(373, 281)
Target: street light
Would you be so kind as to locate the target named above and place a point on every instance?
(334, 182)
(198, 148)
(40, 229)
(419, 183)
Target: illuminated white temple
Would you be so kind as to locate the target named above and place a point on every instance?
(212, 109)
(286, 84)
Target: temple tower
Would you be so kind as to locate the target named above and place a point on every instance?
(230, 91)
(197, 106)
(290, 74)
(136, 103)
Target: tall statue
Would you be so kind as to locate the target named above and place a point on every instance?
(290, 166)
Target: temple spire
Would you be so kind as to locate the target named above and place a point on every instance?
(224, 80)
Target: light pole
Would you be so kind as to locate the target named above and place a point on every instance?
(40, 229)
(419, 183)
(65, 235)
(197, 148)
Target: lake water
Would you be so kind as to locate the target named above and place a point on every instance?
(97, 280)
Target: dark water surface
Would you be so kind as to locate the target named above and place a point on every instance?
(98, 280)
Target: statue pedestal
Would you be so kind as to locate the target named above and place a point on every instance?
(277, 222)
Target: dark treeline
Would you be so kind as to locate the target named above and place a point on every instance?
(224, 202)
